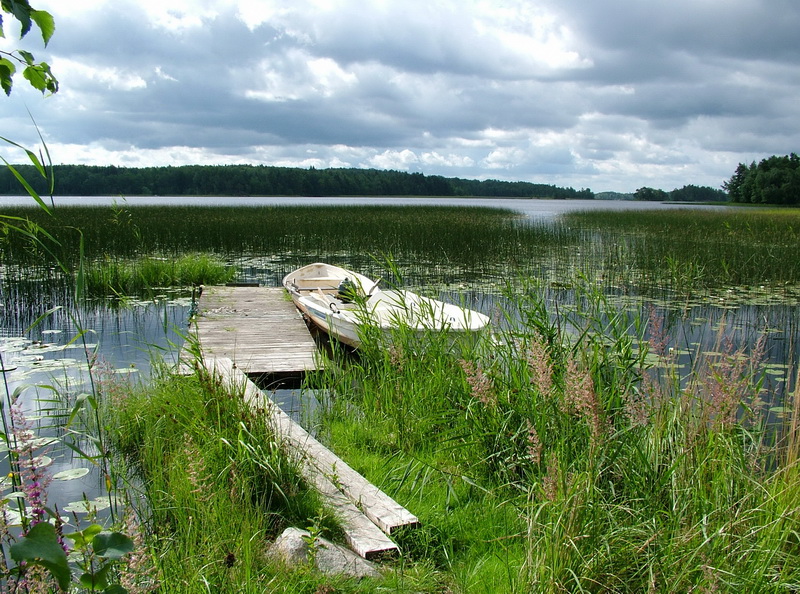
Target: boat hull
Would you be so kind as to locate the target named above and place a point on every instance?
(344, 314)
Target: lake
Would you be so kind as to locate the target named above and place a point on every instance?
(532, 208)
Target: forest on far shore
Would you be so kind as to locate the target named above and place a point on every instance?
(263, 180)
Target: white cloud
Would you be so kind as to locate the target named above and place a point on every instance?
(574, 92)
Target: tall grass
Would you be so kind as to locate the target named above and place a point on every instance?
(218, 485)
(134, 277)
(689, 250)
(680, 251)
(559, 463)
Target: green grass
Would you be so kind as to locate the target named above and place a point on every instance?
(558, 464)
(134, 277)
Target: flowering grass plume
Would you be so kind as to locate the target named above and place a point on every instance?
(540, 366)
(580, 397)
(479, 383)
(138, 574)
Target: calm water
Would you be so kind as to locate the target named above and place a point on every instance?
(535, 209)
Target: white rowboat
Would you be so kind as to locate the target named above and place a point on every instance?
(341, 302)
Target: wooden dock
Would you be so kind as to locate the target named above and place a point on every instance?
(250, 331)
(257, 328)
(367, 514)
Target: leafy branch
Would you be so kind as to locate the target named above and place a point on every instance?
(38, 74)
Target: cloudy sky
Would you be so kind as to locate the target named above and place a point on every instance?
(606, 95)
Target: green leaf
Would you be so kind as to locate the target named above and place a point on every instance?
(7, 70)
(40, 546)
(71, 474)
(27, 56)
(22, 12)
(44, 20)
(33, 74)
(112, 545)
(97, 580)
(85, 536)
(31, 192)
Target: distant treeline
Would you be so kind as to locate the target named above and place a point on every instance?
(261, 180)
(688, 193)
(775, 180)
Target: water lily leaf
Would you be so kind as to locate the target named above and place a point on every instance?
(41, 442)
(13, 517)
(85, 506)
(78, 507)
(71, 474)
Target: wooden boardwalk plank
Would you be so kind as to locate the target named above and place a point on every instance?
(258, 328)
(362, 535)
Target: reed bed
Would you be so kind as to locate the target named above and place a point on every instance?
(691, 250)
(577, 453)
(558, 463)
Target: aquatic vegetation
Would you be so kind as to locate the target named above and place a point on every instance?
(148, 274)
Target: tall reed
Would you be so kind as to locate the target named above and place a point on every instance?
(616, 479)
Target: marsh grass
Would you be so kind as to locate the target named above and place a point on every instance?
(136, 277)
(217, 483)
(690, 250)
(561, 463)
(671, 252)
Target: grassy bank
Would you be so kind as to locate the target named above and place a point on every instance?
(557, 462)
(562, 465)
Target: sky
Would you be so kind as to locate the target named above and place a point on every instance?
(610, 95)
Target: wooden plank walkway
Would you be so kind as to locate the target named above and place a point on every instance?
(365, 512)
(257, 328)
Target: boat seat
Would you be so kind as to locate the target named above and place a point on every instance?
(316, 283)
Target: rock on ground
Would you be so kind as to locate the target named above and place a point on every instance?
(292, 548)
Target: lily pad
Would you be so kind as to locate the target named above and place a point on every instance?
(71, 474)
(84, 507)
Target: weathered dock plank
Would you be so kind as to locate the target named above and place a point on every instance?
(257, 328)
(363, 535)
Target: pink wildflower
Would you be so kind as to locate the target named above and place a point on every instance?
(32, 476)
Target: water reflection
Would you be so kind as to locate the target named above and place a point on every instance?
(46, 368)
